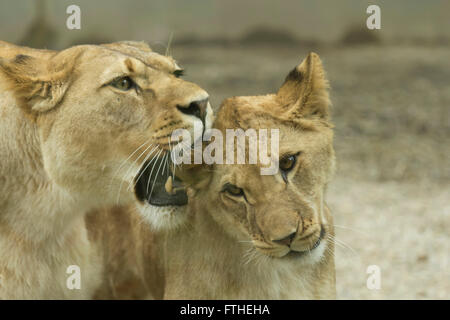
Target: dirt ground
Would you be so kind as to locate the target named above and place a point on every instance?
(390, 196)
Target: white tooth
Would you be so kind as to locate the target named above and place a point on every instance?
(168, 186)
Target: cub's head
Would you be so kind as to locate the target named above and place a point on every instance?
(282, 215)
(104, 116)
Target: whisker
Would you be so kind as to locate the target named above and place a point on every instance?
(153, 167)
(124, 162)
(165, 163)
(135, 161)
(148, 164)
(173, 162)
(169, 43)
(151, 192)
(129, 157)
(129, 170)
(347, 246)
(352, 229)
(249, 256)
(342, 244)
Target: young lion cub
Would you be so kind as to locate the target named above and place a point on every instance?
(256, 236)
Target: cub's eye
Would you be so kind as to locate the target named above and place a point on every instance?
(123, 83)
(287, 163)
(178, 73)
(233, 190)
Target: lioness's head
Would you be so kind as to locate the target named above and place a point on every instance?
(282, 215)
(104, 116)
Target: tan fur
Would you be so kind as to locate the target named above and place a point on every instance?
(65, 140)
(229, 249)
(130, 251)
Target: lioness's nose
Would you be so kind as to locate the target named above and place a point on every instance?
(286, 240)
(195, 108)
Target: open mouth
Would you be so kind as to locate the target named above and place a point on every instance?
(296, 254)
(157, 185)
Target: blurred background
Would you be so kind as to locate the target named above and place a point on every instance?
(391, 99)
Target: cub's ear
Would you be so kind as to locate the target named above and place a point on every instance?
(304, 93)
(38, 85)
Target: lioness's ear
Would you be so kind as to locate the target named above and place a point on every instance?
(305, 90)
(38, 85)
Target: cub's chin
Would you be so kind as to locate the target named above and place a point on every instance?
(161, 195)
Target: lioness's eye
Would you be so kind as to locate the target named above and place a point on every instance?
(123, 83)
(233, 190)
(287, 163)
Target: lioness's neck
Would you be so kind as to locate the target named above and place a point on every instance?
(203, 262)
(42, 230)
(31, 206)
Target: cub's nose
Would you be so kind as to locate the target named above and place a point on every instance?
(195, 108)
(286, 240)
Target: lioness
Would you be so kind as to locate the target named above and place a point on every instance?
(81, 129)
(248, 236)
(254, 236)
